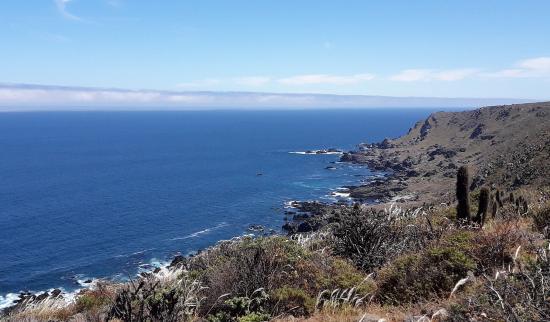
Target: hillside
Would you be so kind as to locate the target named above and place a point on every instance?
(507, 146)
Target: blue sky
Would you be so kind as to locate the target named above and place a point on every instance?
(395, 48)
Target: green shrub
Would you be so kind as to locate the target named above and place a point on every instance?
(241, 267)
(243, 308)
(370, 238)
(343, 275)
(428, 274)
(295, 299)
(255, 317)
(91, 300)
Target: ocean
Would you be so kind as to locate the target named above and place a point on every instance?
(107, 194)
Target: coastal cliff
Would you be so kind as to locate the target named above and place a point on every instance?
(506, 146)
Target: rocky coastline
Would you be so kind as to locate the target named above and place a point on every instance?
(420, 166)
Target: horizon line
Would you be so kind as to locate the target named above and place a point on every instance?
(38, 97)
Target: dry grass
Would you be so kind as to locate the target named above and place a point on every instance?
(392, 263)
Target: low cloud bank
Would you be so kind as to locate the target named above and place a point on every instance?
(25, 97)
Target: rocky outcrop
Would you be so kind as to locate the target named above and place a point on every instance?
(505, 145)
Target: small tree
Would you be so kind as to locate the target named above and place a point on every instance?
(463, 194)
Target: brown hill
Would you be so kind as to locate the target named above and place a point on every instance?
(506, 146)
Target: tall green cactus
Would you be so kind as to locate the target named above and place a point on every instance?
(494, 205)
(499, 197)
(483, 206)
(462, 194)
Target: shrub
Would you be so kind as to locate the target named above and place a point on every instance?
(511, 296)
(496, 245)
(255, 317)
(243, 308)
(292, 300)
(152, 298)
(428, 274)
(241, 267)
(91, 300)
(370, 238)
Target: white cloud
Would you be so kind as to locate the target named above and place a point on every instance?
(507, 73)
(527, 68)
(318, 79)
(62, 7)
(413, 75)
(252, 80)
(540, 64)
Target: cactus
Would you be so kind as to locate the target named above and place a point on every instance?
(521, 205)
(494, 207)
(483, 206)
(499, 197)
(525, 206)
(462, 194)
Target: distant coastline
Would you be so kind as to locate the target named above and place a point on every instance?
(32, 97)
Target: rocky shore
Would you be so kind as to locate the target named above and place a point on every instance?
(420, 166)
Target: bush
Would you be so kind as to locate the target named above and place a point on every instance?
(496, 245)
(174, 298)
(293, 300)
(289, 273)
(515, 295)
(428, 274)
(370, 238)
(91, 300)
(243, 308)
(255, 317)
(239, 268)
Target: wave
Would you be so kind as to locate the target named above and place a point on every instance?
(291, 204)
(317, 152)
(201, 232)
(340, 193)
(67, 297)
(8, 300)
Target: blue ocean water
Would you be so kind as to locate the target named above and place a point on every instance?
(97, 194)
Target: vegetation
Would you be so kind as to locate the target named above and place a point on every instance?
(366, 264)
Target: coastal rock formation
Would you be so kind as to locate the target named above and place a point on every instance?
(505, 145)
